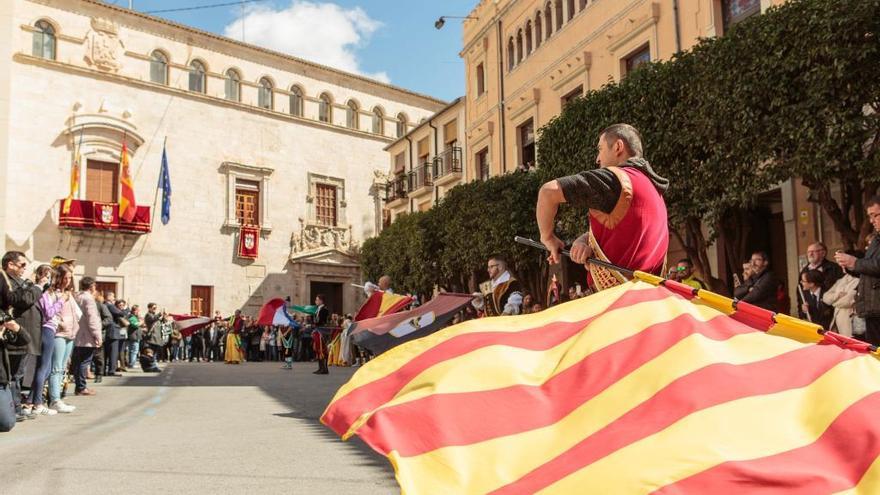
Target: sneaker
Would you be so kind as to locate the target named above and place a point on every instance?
(41, 409)
(61, 407)
(27, 409)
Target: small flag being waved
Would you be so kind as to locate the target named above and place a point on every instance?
(127, 204)
(165, 186)
(636, 389)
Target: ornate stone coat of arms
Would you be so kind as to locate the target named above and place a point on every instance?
(104, 49)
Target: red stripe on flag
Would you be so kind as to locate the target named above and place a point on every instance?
(836, 461)
(399, 305)
(370, 308)
(341, 413)
(704, 388)
(472, 417)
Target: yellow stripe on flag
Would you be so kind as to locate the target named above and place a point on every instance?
(503, 460)
(393, 359)
(869, 484)
(743, 429)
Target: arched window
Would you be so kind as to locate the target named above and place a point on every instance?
(559, 19)
(44, 40)
(233, 85)
(352, 115)
(264, 97)
(296, 101)
(401, 124)
(528, 38)
(570, 9)
(538, 30)
(519, 47)
(325, 108)
(197, 74)
(158, 67)
(378, 121)
(548, 18)
(510, 55)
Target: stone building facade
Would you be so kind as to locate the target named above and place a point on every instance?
(252, 137)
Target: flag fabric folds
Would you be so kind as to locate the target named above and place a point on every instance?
(187, 324)
(641, 388)
(384, 332)
(127, 203)
(74, 178)
(306, 310)
(382, 303)
(165, 186)
(274, 313)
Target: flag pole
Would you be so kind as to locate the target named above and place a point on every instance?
(594, 261)
(156, 196)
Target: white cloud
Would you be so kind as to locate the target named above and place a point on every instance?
(324, 33)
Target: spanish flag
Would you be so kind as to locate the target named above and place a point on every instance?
(380, 304)
(127, 204)
(648, 387)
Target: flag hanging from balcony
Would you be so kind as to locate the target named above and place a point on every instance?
(74, 177)
(249, 242)
(635, 389)
(127, 204)
(165, 186)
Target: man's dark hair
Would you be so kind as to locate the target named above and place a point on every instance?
(626, 133)
(814, 277)
(762, 254)
(86, 283)
(11, 256)
(688, 261)
(319, 296)
(151, 306)
(872, 201)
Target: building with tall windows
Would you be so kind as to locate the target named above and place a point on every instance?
(257, 142)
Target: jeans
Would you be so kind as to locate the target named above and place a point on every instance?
(7, 409)
(82, 360)
(60, 355)
(133, 347)
(44, 367)
(175, 352)
(111, 355)
(17, 364)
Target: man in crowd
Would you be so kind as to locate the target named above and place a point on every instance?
(624, 197)
(505, 289)
(759, 286)
(19, 296)
(684, 272)
(212, 340)
(88, 335)
(868, 270)
(10, 334)
(115, 335)
(817, 260)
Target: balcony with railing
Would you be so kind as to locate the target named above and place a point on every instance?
(96, 216)
(448, 167)
(396, 191)
(421, 179)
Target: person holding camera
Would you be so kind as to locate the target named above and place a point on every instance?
(10, 334)
(19, 298)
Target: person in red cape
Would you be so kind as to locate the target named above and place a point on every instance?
(624, 197)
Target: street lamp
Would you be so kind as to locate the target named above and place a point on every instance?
(442, 20)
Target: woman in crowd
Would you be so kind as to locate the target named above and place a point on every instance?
(176, 339)
(62, 290)
(842, 296)
(50, 305)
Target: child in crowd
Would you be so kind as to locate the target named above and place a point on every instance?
(148, 362)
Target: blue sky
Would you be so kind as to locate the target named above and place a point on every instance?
(392, 40)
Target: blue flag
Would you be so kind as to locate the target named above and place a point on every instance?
(165, 185)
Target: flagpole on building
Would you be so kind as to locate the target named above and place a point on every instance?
(156, 196)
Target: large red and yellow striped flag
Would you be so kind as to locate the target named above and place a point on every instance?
(636, 389)
(127, 204)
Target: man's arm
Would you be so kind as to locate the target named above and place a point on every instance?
(762, 289)
(549, 198)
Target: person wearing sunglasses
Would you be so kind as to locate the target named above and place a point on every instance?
(684, 272)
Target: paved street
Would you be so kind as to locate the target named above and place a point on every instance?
(195, 428)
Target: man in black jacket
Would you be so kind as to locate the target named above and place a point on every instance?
(760, 284)
(19, 297)
(10, 334)
(114, 334)
(868, 270)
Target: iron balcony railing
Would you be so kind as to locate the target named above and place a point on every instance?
(422, 176)
(448, 162)
(397, 188)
